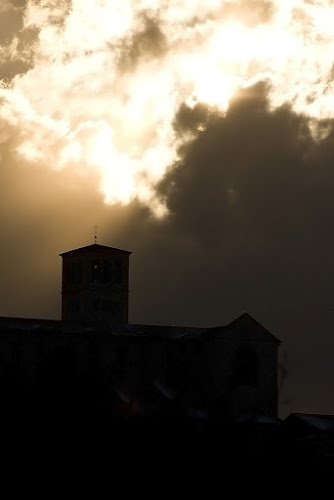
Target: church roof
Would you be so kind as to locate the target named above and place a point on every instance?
(243, 327)
(165, 331)
(61, 326)
(95, 248)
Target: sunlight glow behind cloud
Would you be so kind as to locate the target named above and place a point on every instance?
(109, 77)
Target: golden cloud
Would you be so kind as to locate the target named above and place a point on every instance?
(107, 79)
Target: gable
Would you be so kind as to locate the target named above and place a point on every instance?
(245, 327)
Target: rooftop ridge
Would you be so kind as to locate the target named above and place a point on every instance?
(95, 247)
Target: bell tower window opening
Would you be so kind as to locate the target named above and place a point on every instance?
(96, 271)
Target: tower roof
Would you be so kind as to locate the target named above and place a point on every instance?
(95, 248)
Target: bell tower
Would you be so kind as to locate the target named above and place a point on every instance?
(95, 284)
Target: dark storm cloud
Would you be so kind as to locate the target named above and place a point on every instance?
(191, 119)
(253, 193)
(243, 172)
(251, 206)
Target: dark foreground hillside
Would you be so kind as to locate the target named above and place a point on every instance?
(172, 441)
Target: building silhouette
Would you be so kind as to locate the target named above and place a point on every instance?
(94, 358)
(94, 377)
(95, 284)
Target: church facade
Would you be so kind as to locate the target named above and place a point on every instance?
(94, 357)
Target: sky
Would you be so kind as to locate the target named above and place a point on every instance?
(199, 136)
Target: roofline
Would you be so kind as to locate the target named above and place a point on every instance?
(189, 331)
(267, 332)
(230, 325)
(198, 328)
(97, 245)
(94, 323)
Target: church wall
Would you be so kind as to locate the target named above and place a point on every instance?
(229, 378)
(91, 366)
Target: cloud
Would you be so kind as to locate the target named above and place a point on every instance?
(106, 111)
(247, 201)
(252, 12)
(101, 87)
(10, 23)
(17, 43)
(147, 43)
(236, 177)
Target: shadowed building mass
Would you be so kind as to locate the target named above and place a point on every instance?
(93, 356)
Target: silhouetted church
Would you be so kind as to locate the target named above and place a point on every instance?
(94, 357)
